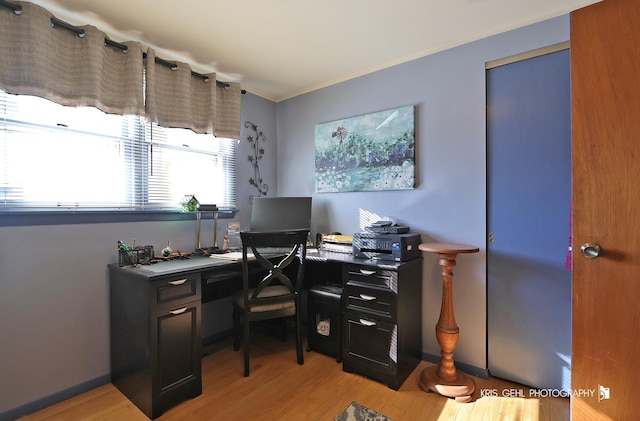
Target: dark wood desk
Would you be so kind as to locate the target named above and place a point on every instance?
(156, 321)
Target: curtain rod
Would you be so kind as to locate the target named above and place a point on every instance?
(17, 9)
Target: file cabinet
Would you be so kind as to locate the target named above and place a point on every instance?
(382, 320)
(155, 338)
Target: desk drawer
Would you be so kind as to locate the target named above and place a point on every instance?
(175, 290)
(370, 276)
(222, 283)
(373, 301)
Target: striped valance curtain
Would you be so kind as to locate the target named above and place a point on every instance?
(38, 59)
(54, 63)
(227, 116)
(177, 99)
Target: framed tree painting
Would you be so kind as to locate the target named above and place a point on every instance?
(371, 152)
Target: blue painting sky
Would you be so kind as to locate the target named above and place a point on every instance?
(381, 126)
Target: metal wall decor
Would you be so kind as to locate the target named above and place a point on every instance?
(371, 152)
(258, 151)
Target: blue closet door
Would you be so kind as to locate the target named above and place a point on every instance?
(528, 211)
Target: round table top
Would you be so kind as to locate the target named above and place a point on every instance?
(448, 248)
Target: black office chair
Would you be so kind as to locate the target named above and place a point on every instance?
(276, 295)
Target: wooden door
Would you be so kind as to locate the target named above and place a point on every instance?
(605, 63)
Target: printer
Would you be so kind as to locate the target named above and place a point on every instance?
(386, 246)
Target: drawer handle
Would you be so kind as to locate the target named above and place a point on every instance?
(367, 272)
(367, 297)
(367, 322)
(178, 311)
(178, 282)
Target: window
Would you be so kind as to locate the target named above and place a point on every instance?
(56, 157)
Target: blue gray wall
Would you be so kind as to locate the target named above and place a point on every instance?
(449, 202)
(54, 320)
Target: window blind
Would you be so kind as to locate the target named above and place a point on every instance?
(57, 157)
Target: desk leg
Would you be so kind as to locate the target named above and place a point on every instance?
(445, 379)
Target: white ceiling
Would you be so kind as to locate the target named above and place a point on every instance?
(282, 48)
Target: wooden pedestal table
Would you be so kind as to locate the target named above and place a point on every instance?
(445, 379)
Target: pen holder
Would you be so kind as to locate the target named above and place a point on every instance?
(128, 256)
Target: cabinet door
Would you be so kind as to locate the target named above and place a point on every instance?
(175, 355)
(369, 341)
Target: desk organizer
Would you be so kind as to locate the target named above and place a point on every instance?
(128, 256)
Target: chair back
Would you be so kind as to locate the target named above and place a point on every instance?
(279, 269)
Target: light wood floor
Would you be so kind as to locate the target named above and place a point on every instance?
(279, 389)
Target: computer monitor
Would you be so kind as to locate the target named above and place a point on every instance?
(280, 213)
